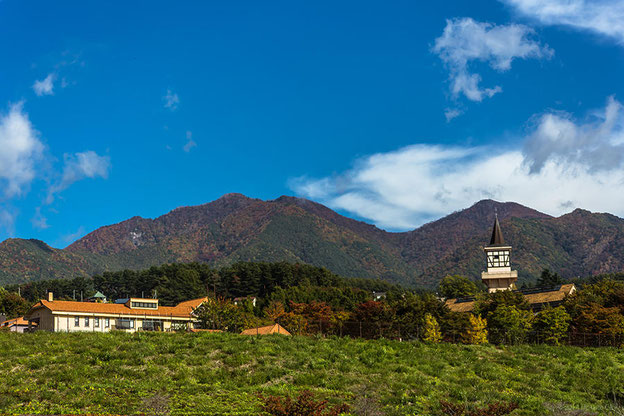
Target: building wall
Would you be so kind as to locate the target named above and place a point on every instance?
(49, 321)
(46, 320)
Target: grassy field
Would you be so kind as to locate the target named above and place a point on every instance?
(118, 373)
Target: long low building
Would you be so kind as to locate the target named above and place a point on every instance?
(135, 314)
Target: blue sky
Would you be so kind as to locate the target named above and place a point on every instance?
(396, 113)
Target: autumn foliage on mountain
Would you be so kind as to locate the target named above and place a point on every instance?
(236, 228)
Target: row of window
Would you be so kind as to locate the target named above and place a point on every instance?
(87, 321)
(152, 305)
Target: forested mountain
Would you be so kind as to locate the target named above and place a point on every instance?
(236, 228)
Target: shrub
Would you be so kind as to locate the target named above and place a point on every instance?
(476, 332)
(304, 405)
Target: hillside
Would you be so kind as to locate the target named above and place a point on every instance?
(208, 374)
(237, 228)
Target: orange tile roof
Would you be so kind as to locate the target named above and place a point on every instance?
(193, 303)
(16, 321)
(266, 330)
(182, 310)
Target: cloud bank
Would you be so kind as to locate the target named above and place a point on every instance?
(603, 17)
(405, 188)
(465, 40)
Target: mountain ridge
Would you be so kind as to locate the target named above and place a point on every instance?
(238, 228)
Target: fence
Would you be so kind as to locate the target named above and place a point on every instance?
(376, 330)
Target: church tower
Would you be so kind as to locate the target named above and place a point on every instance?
(499, 275)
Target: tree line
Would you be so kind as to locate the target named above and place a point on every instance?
(174, 283)
(308, 300)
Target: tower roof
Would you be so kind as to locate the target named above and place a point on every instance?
(497, 235)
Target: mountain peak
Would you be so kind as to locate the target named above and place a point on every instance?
(234, 196)
(238, 228)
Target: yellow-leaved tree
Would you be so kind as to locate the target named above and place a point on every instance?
(432, 329)
(476, 332)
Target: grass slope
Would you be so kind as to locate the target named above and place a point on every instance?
(48, 373)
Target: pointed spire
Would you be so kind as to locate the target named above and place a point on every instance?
(497, 235)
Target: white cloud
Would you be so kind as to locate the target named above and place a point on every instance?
(408, 187)
(190, 143)
(80, 166)
(597, 144)
(23, 160)
(604, 17)
(45, 86)
(171, 100)
(20, 151)
(465, 40)
(451, 113)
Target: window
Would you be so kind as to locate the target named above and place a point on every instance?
(498, 259)
(125, 323)
(96, 322)
(106, 322)
(86, 321)
(152, 325)
(76, 321)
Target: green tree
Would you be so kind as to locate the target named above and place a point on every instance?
(509, 324)
(549, 279)
(431, 331)
(12, 305)
(222, 314)
(488, 303)
(457, 286)
(552, 324)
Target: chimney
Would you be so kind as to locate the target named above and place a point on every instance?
(50, 297)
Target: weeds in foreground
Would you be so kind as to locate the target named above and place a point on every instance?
(304, 405)
(223, 374)
(493, 409)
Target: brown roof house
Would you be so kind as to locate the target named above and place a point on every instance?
(15, 325)
(499, 276)
(266, 330)
(135, 314)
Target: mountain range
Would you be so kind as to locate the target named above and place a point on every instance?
(237, 228)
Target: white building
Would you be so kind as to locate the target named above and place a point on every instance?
(134, 315)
